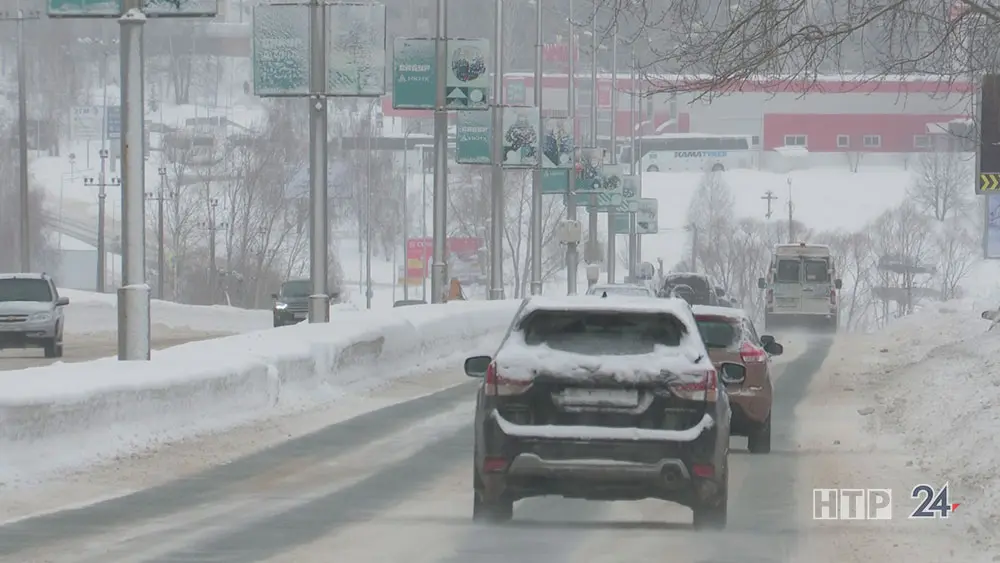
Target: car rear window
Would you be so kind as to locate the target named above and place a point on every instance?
(788, 271)
(697, 283)
(25, 289)
(718, 333)
(817, 270)
(600, 333)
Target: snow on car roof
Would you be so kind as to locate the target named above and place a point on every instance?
(709, 310)
(672, 305)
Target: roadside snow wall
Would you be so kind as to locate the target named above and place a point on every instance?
(67, 415)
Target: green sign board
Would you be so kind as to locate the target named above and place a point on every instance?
(413, 81)
(630, 194)
(647, 216)
(620, 223)
(520, 137)
(591, 168)
(281, 50)
(113, 8)
(355, 50)
(473, 138)
(608, 199)
(557, 142)
(414, 84)
(554, 181)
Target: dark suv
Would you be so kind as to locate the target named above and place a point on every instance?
(555, 417)
(696, 289)
(291, 303)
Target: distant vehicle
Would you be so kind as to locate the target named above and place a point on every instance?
(31, 313)
(656, 425)
(408, 302)
(621, 289)
(691, 152)
(801, 288)
(291, 303)
(730, 336)
(695, 288)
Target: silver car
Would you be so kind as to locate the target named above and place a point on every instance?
(31, 313)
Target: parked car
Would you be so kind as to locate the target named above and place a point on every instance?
(31, 313)
(553, 419)
(291, 303)
(730, 336)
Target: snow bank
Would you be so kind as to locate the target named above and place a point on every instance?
(67, 415)
(934, 377)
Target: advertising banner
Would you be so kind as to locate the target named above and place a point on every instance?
(463, 254)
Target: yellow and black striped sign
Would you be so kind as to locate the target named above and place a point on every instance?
(989, 182)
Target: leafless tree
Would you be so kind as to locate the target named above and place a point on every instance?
(711, 216)
(942, 184)
(10, 210)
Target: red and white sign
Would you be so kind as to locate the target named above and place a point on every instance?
(419, 252)
(604, 94)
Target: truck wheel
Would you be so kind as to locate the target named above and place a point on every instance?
(759, 440)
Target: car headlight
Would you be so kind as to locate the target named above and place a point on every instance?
(40, 317)
(281, 306)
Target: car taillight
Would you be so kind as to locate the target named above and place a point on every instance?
(770, 296)
(751, 354)
(705, 388)
(497, 385)
(833, 297)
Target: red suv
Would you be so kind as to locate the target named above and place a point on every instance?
(729, 336)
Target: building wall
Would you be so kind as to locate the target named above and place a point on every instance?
(897, 132)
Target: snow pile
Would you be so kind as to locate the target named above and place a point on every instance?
(935, 378)
(68, 415)
(90, 313)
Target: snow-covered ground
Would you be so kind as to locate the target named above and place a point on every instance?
(823, 198)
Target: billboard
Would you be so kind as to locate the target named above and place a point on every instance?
(466, 259)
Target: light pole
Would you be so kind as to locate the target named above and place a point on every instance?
(572, 251)
(406, 222)
(319, 300)
(612, 251)
(102, 182)
(633, 238)
(425, 150)
(496, 172)
(536, 184)
(368, 208)
(439, 267)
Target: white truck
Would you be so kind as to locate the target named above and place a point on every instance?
(801, 288)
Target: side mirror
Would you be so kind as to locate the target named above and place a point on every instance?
(989, 315)
(62, 301)
(274, 296)
(761, 283)
(774, 348)
(766, 339)
(732, 373)
(477, 366)
(838, 283)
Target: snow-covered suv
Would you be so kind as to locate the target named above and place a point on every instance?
(602, 399)
(31, 313)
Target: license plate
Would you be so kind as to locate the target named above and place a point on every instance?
(301, 315)
(601, 397)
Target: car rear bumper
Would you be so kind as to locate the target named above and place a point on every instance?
(614, 464)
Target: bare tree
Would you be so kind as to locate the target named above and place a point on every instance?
(710, 217)
(942, 184)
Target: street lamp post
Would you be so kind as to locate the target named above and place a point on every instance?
(101, 182)
(160, 261)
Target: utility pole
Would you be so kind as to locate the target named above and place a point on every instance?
(768, 197)
(536, 184)
(319, 227)
(439, 266)
(612, 250)
(791, 211)
(593, 255)
(20, 16)
(212, 226)
(633, 237)
(572, 249)
(496, 172)
(159, 198)
(102, 183)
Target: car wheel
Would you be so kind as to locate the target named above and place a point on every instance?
(759, 440)
(713, 516)
(51, 348)
(653, 168)
(278, 323)
(495, 511)
(718, 168)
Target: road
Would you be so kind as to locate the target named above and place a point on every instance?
(394, 485)
(83, 347)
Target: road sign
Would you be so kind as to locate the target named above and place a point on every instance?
(413, 80)
(113, 8)
(989, 183)
(281, 50)
(86, 123)
(355, 50)
(557, 143)
(620, 223)
(647, 216)
(554, 181)
(473, 138)
(114, 122)
(607, 199)
(520, 137)
(989, 140)
(630, 194)
(467, 82)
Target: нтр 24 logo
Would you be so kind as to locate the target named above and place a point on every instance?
(933, 504)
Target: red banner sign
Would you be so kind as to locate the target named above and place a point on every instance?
(419, 252)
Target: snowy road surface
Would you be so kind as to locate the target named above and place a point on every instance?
(83, 347)
(394, 484)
